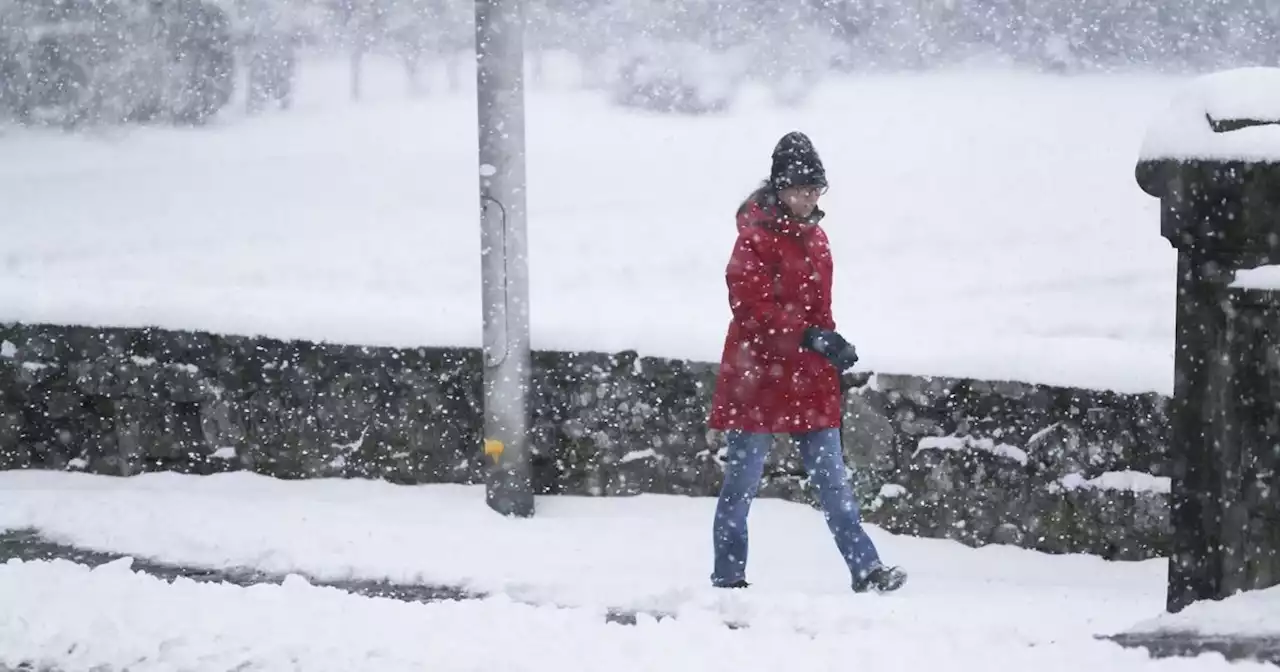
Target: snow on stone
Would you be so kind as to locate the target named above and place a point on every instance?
(1262, 277)
(1039, 435)
(1183, 130)
(1128, 480)
(352, 446)
(892, 491)
(1254, 612)
(8, 350)
(969, 443)
(646, 454)
(224, 453)
(324, 230)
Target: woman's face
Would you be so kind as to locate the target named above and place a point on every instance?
(801, 200)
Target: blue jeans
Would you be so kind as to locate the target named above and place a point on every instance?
(824, 460)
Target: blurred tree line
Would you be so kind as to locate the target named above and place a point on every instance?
(72, 61)
(869, 34)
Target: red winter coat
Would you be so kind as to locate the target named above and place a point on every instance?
(779, 279)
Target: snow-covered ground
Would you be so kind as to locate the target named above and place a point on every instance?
(78, 619)
(67, 615)
(984, 223)
(963, 609)
(1254, 612)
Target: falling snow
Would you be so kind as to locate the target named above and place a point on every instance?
(306, 170)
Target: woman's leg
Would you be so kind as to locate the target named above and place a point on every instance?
(742, 471)
(824, 460)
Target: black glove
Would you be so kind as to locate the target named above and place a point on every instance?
(831, 345)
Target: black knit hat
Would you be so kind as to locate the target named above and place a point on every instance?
(796, 163)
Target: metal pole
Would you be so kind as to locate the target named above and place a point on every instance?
(505, 283)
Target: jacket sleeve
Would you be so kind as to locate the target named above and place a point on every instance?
(825, 319)
(751, 281)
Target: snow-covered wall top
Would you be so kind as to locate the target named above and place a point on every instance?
(1184, 132)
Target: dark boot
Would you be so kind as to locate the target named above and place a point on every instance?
(740, 583)
(881, 579)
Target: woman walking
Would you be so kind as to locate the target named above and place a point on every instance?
(780, 371)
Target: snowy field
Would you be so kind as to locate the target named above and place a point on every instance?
(984, 223)
(552, 577)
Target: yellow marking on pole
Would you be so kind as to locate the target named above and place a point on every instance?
(493, 448)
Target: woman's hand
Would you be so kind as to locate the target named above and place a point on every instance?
(832, 345)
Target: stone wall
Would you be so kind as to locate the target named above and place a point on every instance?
(981, 462)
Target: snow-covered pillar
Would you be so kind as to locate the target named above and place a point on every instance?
(504, 262)
(1214, 161)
